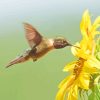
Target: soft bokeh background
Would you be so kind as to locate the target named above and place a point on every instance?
(38, 80)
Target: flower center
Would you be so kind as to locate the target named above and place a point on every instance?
(78, 67)
(87, 30)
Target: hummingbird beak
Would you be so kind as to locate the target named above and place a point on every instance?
(74, 46)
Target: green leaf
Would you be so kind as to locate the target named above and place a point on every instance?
(95, 93)
(97, 50)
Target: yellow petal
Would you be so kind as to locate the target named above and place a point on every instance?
(96, 32)
(70, 66)
(89, 69)
(94, 28)
(83, 44)
(73, 93)
(85, 25)
(83, 80)
(64, 81)
(64, 87)
(96, 81)
(93, 62)
(96, 23)
(68, 81)
(75, 50)
(83, 52)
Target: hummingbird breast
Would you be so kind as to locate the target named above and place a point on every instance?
(43, 48)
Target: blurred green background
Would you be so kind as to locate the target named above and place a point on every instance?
(38, 80)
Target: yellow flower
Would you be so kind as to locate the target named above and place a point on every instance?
(86, 65)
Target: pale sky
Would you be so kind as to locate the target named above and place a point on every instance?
(14, 7)
(16, 11)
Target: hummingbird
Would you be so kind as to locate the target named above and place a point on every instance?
(39, 45)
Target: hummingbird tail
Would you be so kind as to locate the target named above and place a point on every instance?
(17, 60)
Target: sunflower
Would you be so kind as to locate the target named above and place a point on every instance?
(86, 64)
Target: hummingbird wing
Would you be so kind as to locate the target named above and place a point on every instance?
(32, 35)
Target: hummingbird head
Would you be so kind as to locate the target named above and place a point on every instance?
(60, 42)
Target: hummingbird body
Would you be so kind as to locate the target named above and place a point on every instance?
(39, 45)
(43, 48)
